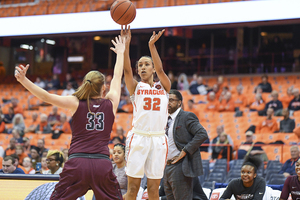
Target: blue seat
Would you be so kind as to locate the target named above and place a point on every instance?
(208, 184)
(276, 181)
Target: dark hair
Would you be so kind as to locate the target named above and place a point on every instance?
(191, 100)
(7, 158)
(252, 161)
(59, 157)
(264, 76)
(176, 93)
(120, 145)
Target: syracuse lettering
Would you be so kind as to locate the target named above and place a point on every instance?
(150, 92)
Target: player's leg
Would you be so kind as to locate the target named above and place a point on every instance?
(132, 188)
(137, 150)
(71, 184)
(155, 164)
(152, 188)
(103, 181)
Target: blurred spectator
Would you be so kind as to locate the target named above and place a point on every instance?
(62, 126)
(18, 123)
(17, 107)
(44, 153)
(128, 107)
(194, 79)
(11, 149)
(54, 83)
(221, 152)
(8, 166)
(295, 103)
(268, 125)
(27, 164)
(54, 116)
(287, 98)
(120, 134)
(198, 87)
(41, 146)
(69, 78)
(183, 83)
(265, 85)
(258, 104)
(275, 104)
(288, 167)
(17, 163)
(2, 123)
(224, 89)
(33, 124)
(220, 82)
(69, 90)
(35, 156)
(216, 89)
(9, 117)
(227, 103)
(191, 106)
(249, 147)
(213, 103)
(66, 154)
(20, 153)
(2, 70)
(287, 125)
(240, 100)
(26, 145)
(220, 130)
(44, 167)
(40, 83)
(173, 80)
(43, 126)
(17, 135)
(119, 166)
(55, 161)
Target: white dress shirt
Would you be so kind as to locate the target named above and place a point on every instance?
(172, 149)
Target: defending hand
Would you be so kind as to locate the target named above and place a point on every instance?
(20, 72)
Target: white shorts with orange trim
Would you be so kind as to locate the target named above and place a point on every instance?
(146, 154)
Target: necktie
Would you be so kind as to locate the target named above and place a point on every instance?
(168, 123)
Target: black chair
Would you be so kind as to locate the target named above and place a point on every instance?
(208, 184)
(221, 161)
(269, 173)
(276, 181)
(272, 175)
(216, 179)
(220, 170)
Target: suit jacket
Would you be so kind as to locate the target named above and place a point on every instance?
(189, 133)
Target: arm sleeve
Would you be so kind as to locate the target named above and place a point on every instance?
(228, 192)
(195, 128)
(285, 190)
(260, 191)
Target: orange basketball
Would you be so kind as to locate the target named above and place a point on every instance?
(123, 12)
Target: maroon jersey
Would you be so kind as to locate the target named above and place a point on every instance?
(291, 185)
(91, 130)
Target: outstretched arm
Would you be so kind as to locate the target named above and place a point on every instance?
(130, 82)
(115, 86)
(164, 79)
(69, 102)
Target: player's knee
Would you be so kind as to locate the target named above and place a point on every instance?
(133, 188)
(153, 189)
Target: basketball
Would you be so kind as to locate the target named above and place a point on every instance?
(123, 12)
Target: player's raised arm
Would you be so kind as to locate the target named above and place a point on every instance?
(69, 102)
(115, 86)
(164, 79)
(130, 82)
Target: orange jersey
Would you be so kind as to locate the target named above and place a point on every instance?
(285, 100)
(267, 126)
(21, 157)
(257, 106)
(226, 105)
(8, 152)
(240, 100)
(212, 106)
(65, 127)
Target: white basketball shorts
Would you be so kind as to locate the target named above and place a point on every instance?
(146, 155)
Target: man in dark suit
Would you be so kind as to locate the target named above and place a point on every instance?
(185, 135)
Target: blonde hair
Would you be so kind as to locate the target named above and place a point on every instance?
(226, 141)
(90, 87)
(59, 156)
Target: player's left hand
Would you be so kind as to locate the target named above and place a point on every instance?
(181, 155)
(155, 37)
